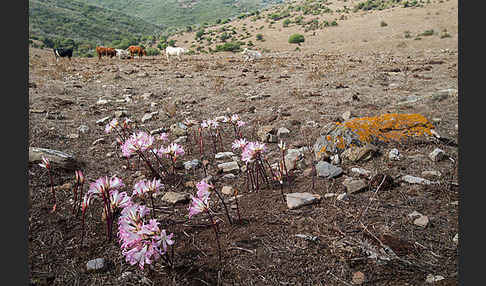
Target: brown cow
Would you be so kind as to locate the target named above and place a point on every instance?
(102, 51)
(136, 50)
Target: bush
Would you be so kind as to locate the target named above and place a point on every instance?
(383, 24)
(259, 37)
(286, 23)
(228, 47)
(428, 32)
(152, 52)
(199, 34)
(296, 38)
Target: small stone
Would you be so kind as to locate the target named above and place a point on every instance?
(437, 155)
(180, 140)
(265, 132)
(174, 198)
(394, 155)
(335, 160)
(73, 136)
(421, 221)
(346, 115)
(97, 264)
(353, 185)
(228, 190)
(228, 176)
(147, 95)
(157, 131)
(229, 167)
(433, 278)
(102, 101)
(324, 169)
(358, 278)
(97, 141)
(283, 132)
(64, 187)
(417, 180)
(341, 196)
(178, 129)
(415, 214)
(224, 155)
(433, 174)
(193, 164)
(83, 128)
(355, 154)
(103, 120)
(296, 200)
(329, 195)
(456, 238)
(121, 113)
(291, 158)
(361, 171)
(110, 154)
(148, 116)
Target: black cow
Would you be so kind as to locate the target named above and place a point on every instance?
(63, 53)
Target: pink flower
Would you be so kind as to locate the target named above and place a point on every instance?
(45, 163)
(235, 118)
(164, 137)
(204, 124)
(79, 176)
(112, 125)
(198, 205)
(239, 143)
(166, 239)
(203, 189)
(140, 141)
(105, 185)
(119, 200)
(240, 123)
(173, 151)
(145, 186)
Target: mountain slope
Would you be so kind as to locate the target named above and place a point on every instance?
(83, 22)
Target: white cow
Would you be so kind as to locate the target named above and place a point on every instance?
(174, 51)
(251, 55)
(122, 54)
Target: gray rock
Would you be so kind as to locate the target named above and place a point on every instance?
(157, 131)
(121, 113)
(193, 164)
(361, 171)
(456, 238)
(329, 195)
(431, 174)
(178, 129)
(228, 176)
(228, 190)
(341, 197)
(356, 154)
(354, 185)
(335, 160)
(283, 132)
(437, 155)
(421, 221)
(394, 154)
(267, 134)
(147, 95)
(224, 155)
(103, 120)
(291, 158)
(417, 180)
(57, 158)
(433, 278)
(180, 140)
(327, 170)
(346, 115)
(229, 167)
(148, 116)
(97, 264)
(83, 128)
(296, 200)
(102, 101)
(73, 136)
(415, 214)
(174, 198)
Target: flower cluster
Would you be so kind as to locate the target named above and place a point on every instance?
(252, 151)
(200, 203)
(114, 125)
(172, 151)
(145, 186)
(141, 242)
(140, 141)
(109, 190)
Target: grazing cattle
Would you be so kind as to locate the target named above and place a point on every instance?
(122, 54)
(136, 50)
(63, 53)
(174, 51)
(103, 51)
(251, 55)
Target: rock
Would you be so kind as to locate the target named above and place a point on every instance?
(417, 180)
(437, 155)
(178, 129)
(456, 238)
(102, 101)
(394, 155)
(296, 200)
(147, 95)
(283, 132)
(97, 264)
(147, 116)
(180, 140)
(329, 195)
(224, 155)
(73, 136)
(228, 190)
(431, 174)
(307, 237)
(415, 214)
(57, 158)
(228, 167)
(228, 176)
(158, 131)
(103, 120)
(356, 154)
(346, 115)
(324, 169)
(354, 185)
(174, 198)
(64, 187)
(83, 128)
(335, 160)
(267, 134)
(142, 74)
(99, 140)
(341, 196)
(361, 171)
(358, 278)
(421, 221)
(121, 113)
(193, 164)
(110, 154)
(433, 278)
(170, 108)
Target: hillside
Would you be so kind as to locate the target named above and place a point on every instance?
(336, 26)
(81, 22)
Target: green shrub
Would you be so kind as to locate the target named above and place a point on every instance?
(428, 32)
(383, 24)
(296, 38)
(259, 37)
(228, 47)
(286, 23)
(152, 52)
(199, 34)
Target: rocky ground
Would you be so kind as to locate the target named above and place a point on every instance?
(357, 231)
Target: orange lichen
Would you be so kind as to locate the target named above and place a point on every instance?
(389, 127)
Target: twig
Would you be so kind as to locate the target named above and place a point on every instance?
(242, 249)
(371, 200)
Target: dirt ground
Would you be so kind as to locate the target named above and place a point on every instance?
(302, 91)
